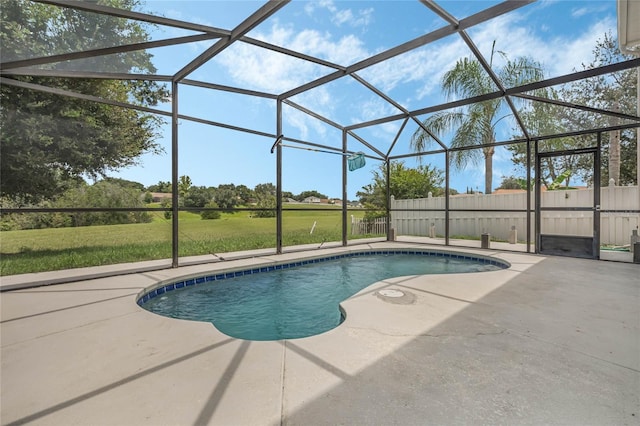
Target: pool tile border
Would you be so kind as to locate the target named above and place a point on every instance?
(147, 295)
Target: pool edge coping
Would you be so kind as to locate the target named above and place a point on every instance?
(197, 278)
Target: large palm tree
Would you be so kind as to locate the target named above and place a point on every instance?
(474, 124)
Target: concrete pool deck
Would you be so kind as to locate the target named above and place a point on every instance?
(548, 341)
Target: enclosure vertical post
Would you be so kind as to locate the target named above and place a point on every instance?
(596, 198)
(279, 179)
(446, 197)
(528, 196)
(388, 195)
(344, 187)
(174, 174)
(538, 188)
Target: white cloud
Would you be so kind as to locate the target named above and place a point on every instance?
(560, 55)
(588, 8)
(373, 108)
(272, 72)
(576, 13)
(339, 17)
(572, 53)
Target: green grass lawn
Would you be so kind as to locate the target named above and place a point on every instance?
(63, 248)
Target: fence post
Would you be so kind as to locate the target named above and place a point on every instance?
(484, 240)
(513, 235)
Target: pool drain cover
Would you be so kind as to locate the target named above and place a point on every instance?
(391, 293)
(398, 297)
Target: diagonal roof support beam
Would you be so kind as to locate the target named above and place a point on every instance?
(225, 126)
(230, 89)
(138, 16)
(395, 140)
(76, 95)
(313, 114)
(375, 90)
(580, 75)
(429, 132)
(256, 18)
(367, 144)
(440, 12)
(292, 53)
(580, 107)
(86, 74)
(438, 34)
(104, 51)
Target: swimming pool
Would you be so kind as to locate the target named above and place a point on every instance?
(296, 299)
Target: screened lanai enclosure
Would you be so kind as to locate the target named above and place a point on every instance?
(183, 131)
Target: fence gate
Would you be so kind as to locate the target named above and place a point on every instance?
(568, 240)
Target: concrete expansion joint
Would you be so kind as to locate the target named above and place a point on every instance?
(435, 336)
(495, 333)
(282, 382)
(392, 334)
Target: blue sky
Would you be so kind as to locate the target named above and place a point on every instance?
(559, 34)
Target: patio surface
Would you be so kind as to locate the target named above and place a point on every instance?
(548, 341)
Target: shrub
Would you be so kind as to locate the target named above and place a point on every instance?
(166, 204)
(210, 214)
(103, 194)
(266, 202)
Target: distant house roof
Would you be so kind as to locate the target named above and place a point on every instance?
(508, 191)
(159, 196)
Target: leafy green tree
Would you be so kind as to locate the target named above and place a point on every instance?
(184, 184)
(287, 194)
(548, 119)
(474, 124)
(226, 198)
(160, 187)
(244, 194)
(404, 183)
(266, 202)
(198, 196)
(264, 189)
(266, 199)
(613, 92)
(510, 182)
(50, 141)
(124, 183)
(166, 203)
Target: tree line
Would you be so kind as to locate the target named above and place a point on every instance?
(115, 193)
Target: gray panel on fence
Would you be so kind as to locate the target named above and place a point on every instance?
(567, 245)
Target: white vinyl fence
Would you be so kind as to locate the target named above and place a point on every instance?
(615, 228)
(362, 227)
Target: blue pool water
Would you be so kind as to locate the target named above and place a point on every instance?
(294, 300)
